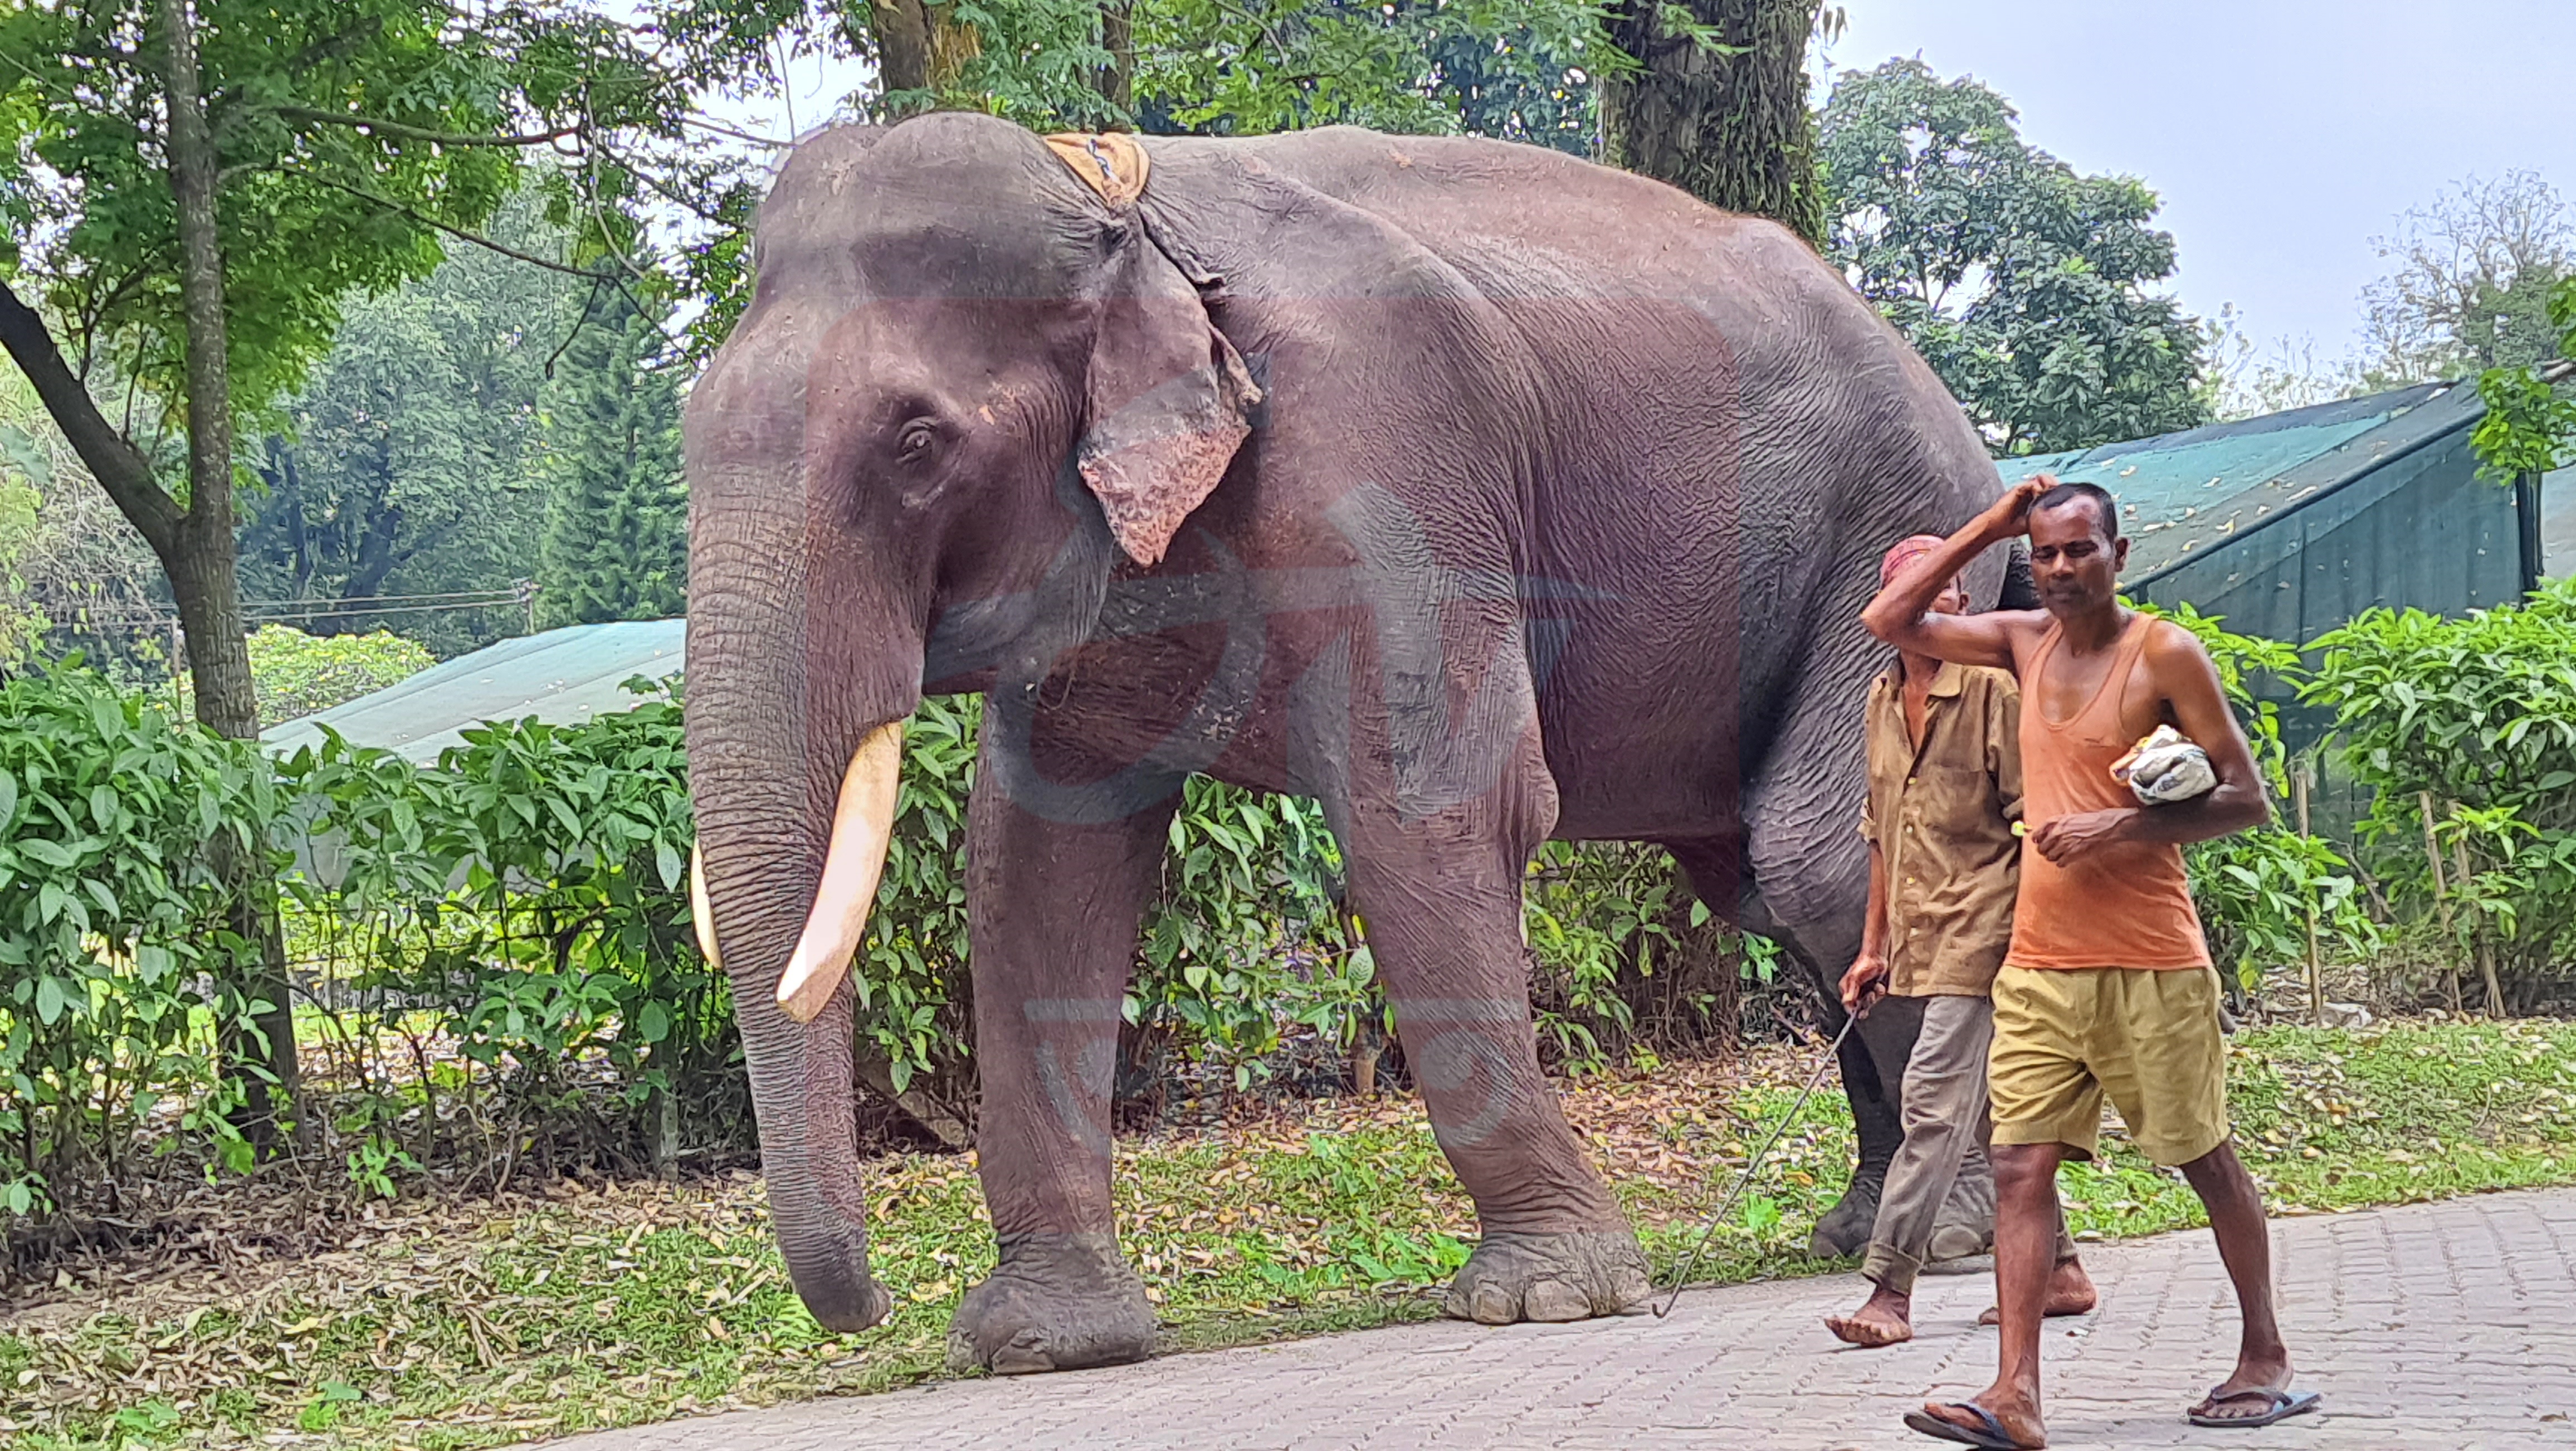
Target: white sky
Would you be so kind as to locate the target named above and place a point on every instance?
(2283, 135)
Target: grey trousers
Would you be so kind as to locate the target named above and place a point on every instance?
(1946, 1129)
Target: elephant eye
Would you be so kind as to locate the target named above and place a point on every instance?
(916, 441)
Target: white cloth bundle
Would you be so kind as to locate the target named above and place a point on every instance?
(2165, 766)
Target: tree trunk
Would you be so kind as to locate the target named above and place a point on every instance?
(1731, 128)
(920, 47)
(205, 580)
(1118, 36)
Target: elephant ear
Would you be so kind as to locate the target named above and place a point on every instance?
(1169, 403)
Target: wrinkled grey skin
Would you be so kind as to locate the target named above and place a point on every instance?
(1559, 503)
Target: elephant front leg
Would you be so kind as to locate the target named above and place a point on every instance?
(1442, 903)
(1053, 912)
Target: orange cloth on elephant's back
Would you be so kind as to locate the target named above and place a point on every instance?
(2126, 905)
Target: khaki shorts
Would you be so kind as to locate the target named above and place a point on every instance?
(2146, 1037)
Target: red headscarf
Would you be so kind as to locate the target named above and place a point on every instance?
(1903, 554)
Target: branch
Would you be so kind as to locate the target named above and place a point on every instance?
(459, 233)
(119, 468)
(414, 133)
(704, 125)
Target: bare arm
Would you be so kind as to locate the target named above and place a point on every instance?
(1902, 614)
(1866, 981)
(2182, 670)
(2189, 685)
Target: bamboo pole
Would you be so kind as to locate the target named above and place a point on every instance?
(2316, 970)
(2441, 893)
(2477, 930)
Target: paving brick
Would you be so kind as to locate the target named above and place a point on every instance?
(2449, 1326)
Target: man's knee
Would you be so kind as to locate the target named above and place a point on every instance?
(2023, 1168)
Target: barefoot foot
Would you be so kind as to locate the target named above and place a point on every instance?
(1886, 1318)
(2070, 1292)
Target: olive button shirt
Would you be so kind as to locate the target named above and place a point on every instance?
(1941, 813)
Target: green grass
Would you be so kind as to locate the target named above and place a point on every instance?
(475, 1325)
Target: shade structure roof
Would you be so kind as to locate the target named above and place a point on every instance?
(2184, 494)
(563, 677)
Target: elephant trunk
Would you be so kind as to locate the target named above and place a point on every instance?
(778, 704)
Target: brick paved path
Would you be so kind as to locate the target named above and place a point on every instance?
(2445, 1327)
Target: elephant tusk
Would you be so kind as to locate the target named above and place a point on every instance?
(862, 828)
(701, 915)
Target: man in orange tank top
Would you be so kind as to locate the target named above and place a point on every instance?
(2106, 988)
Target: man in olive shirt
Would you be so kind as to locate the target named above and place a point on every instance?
(1944, 795)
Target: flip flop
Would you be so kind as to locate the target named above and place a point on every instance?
(1991, 1437)
(2285, 1404)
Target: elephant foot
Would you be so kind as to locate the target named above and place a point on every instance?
(1845, 1229)
(1552, 1277)
(1056, 1302)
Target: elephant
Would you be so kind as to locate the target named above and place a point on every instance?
(1481, 493)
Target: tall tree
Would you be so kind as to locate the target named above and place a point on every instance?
(1717, 104)
(193, 187)
(2023, 283)
(616, 536)
(2470, 283)
(406, 466)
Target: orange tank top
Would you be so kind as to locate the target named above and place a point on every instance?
(2127, 905)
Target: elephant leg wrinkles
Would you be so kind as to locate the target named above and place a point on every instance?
(1441, 898)
(1053, 915)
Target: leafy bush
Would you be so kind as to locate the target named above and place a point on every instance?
(2479, 713)
(525, 904)
(113, 947)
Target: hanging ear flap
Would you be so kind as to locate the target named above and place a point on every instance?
(1169, 400)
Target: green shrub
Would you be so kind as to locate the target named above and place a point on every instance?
(113, 948)
(2479, 712)
(528, 898)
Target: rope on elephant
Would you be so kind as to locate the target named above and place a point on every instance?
(1753, 1166)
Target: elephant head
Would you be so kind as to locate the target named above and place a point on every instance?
(965, 383)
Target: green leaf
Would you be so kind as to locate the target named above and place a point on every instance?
(50, 853)
(51, 1000)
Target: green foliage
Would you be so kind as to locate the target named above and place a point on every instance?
(313, 208)
(113, 943)
(2022, 283)
(408, 463)
(20, 621)
(299, 674)
(2480, 712)
(2530, 426)
(1281, 65)
(911, 969)
(529, 893)
(1245, 939)
(616, 535)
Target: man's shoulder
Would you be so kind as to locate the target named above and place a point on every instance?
(1989, 680)
(2169, 647)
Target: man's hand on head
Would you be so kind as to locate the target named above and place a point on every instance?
(2008, 517)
